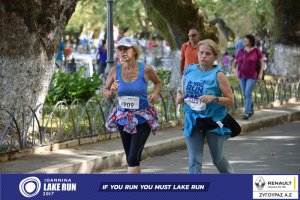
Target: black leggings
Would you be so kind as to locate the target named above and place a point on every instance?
(134, 143)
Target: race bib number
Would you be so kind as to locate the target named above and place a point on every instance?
(195, 104)
(129, 102)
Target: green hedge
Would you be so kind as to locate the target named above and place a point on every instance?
(71, 86)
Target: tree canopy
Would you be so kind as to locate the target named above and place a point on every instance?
(91, 15)
(241, 16)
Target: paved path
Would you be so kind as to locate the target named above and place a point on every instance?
(271, 150)
(95, 157)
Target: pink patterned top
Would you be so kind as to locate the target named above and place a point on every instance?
(149, 114)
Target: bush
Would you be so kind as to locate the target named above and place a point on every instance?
(234, 81)
(164, 75)
(71, 86)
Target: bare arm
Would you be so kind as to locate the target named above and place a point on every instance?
(182, 59)
(224, 85)
(227, 99)
(234, 63)
(151, 75)
(180, 96)
(181, 66)
(260, 73)
(109, 89)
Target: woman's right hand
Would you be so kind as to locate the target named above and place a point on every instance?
(114, 87)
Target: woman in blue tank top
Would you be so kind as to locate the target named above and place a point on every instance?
(206, 94)
(134, 117)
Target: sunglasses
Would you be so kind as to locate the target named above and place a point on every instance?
(192, 35)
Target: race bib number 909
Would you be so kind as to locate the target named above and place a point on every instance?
(129, 102)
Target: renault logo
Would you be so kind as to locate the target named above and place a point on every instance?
(260, 183)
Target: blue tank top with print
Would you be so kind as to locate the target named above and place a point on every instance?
(198, 83)
(137, 88)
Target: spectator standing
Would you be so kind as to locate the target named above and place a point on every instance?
(232, 71)
(59, 57)
(101, 57)
(266, 46)
(257, 41)
(226, 60)
(142, 43)
(84, 44)
(77, 43)
(239, 44)
(149, 45)
(189, 52)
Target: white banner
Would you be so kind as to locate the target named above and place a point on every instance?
(275, 186)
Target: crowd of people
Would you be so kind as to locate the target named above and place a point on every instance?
(152, 49)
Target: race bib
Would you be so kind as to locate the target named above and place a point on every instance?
(195, 104)
(129, 102)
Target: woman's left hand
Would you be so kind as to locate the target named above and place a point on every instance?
(207, 98)
(153, 98)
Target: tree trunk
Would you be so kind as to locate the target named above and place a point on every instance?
(227, 32)
(174, 18)
(30, 34)
(286, 38)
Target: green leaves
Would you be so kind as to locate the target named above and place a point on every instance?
(164, 75)
(71, 86)
(243, 16)
(92, 15)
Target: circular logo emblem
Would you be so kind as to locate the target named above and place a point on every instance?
(29, 187)
(260, 183)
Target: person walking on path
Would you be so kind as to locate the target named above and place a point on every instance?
(239, 44)
(206, 93)
(247, 61)
(134, 117)
(101, 57)
(225, 64)
(189, 52)
(59, 57)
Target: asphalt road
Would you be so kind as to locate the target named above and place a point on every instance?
(272, 150)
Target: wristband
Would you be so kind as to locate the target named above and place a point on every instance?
(216, 100)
